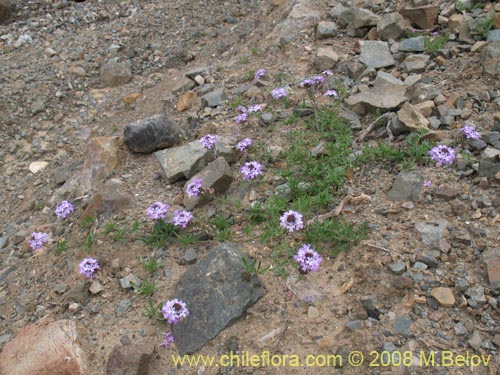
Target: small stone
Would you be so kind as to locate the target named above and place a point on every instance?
(416, 63)
(397, 268)
(115, 73)
(475, 340)
(423, 17)
(190, 256)
(150, 134)
(77, 71)
(312, 312)
(412, 119)
(326, 29)
(433, 233)
(402, 325)
(413, 44)
(213, 98)
(460, 329)
(37, 166)
(492, 259)
(421, 300)
(353, 325)
(123, 307)
(420, 266)
(127, 281)
(444, 296)
(129, 360)
(115, 265)
(186, 101)
(407, 187)
(326, 57)
(73, 307)
(390, 26)
(199, 80)
(96, 287)
(131, 98)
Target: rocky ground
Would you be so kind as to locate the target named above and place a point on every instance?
(103, 104)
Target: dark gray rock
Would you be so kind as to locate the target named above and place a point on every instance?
(407, 187)
(402, 325)
(217, 291)
(115, 73)
(129, 360)
(150, 134)
(213, 98)
(413, 44)
(493, 35)
(490, 60)
(488, 168)
(363, 18)
(432, 233)
(7, 9)
(390, 26)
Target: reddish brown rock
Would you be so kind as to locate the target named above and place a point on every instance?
(424, 17)
(44, 348)
(129, 360)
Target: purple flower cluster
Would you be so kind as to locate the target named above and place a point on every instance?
(279, 92)
(427, 183)
(208, 141)
(241, 108)
(260, 73)
(175, 311)
(182, 218)
(157, 211)
(314, 81)
(442, 154)
(88, 267)
(193, 189)
(308, 259)
(331, 93)
(37, 240)
(243, 117)
(470, 132)
(327, 73)
(244, 144)
(63, 209)
(292, 221)
(167, 340)
(251, 170)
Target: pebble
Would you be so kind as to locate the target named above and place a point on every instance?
(73, 307)
(397, 268)
(444, 296)
(312, 312)
(96, 287)
(123, 307)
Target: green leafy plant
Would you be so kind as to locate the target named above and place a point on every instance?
(61, 246)
(151, 265)
(160, 234)
(87, 222)
(253, 267)
(147, 288)
(432, 45)
(87, 244)
(152, 311)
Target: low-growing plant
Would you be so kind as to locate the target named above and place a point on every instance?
(432, 45)
(87, 244)
(151, 265)
(337, 235)
(253, 267)
(147, 288)
(87, 222)
(160, 234)
(152, 311)
(61, 246)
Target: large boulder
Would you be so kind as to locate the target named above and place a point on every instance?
(150, 134)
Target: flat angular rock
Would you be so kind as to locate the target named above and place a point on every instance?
(384, 78)
(326, 29)
(363, 18)
(115, 73)
(413, 44)
(407, 187)
(217, 177)
(150, 134)
(444, 296)
(326, 57)
(416, 63)
(203, 71)
(387, 97)
(45, 348)
(217, 291)
(213, 98)
(411, 118)
(490, 60)
(111, 199)
(424, 17)
(432, 233)
(375, 54)
(390, 26)
(488, 168)
(492, 259)
(129, 360)
(183, 84)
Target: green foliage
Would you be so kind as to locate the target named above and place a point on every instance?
(151, 265)
(87, 222)
(484, 26)
(236, 101)
(160, 234)
(61, 246)
(147, 288)
(244, 60)
(432, 45)
(87, 245)
(254, 267)
(152, 311)
(222, 224)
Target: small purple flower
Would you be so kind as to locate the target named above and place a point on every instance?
(255, 108)
(251, 170)
(182, 218)
(208, 141)
(241, 118)
(308, 82)
(157, 210)
(308, 259)
(278, 92)
(167, 340)
(241, 108)
(63, 209)
(193, 189)
(292, 221)
(331, 93)
(244, 144)
(427, 183)
(260, 73)
(470, 132)
(442, 154)
(319, 80)
(174, 311)
(88, 267)
(37, 240)
(327, 73)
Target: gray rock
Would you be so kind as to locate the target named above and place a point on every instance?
(422, 16)
(217, 292)
(488, 168)
(129, 360)
(3, 241)
(384, 78)
(351, 117)
(387, 97)
(490, 154)
(213, 98)
(434, 122)
(7, 9)
(390, 26)
(216, 177)
(428, 259)
(460, 329)
(266, 118)
(475, 340)
(189, 257)
(79, 293)
(477, 297)
(127, 281)
(478, 144)
(326, 29)
(184, 161)
(413, 44)
(283, 191)
(493, 35)
(337, 10)
(109, 200)
(150, 134)
(432, 233)
(18, 237)
(407, 187)
(397, 268)
(402, 325)
(318, 150)
(416, 63)
(363, 18)
(203, 71)
(96, 287)
(375, 54)
(353, 325)
(492, 259)
(123, 306)
(490, 60)
(4, 272)
(411, 118)
(115, 73)
(326, 57)
(420, 266)
(183, 85)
